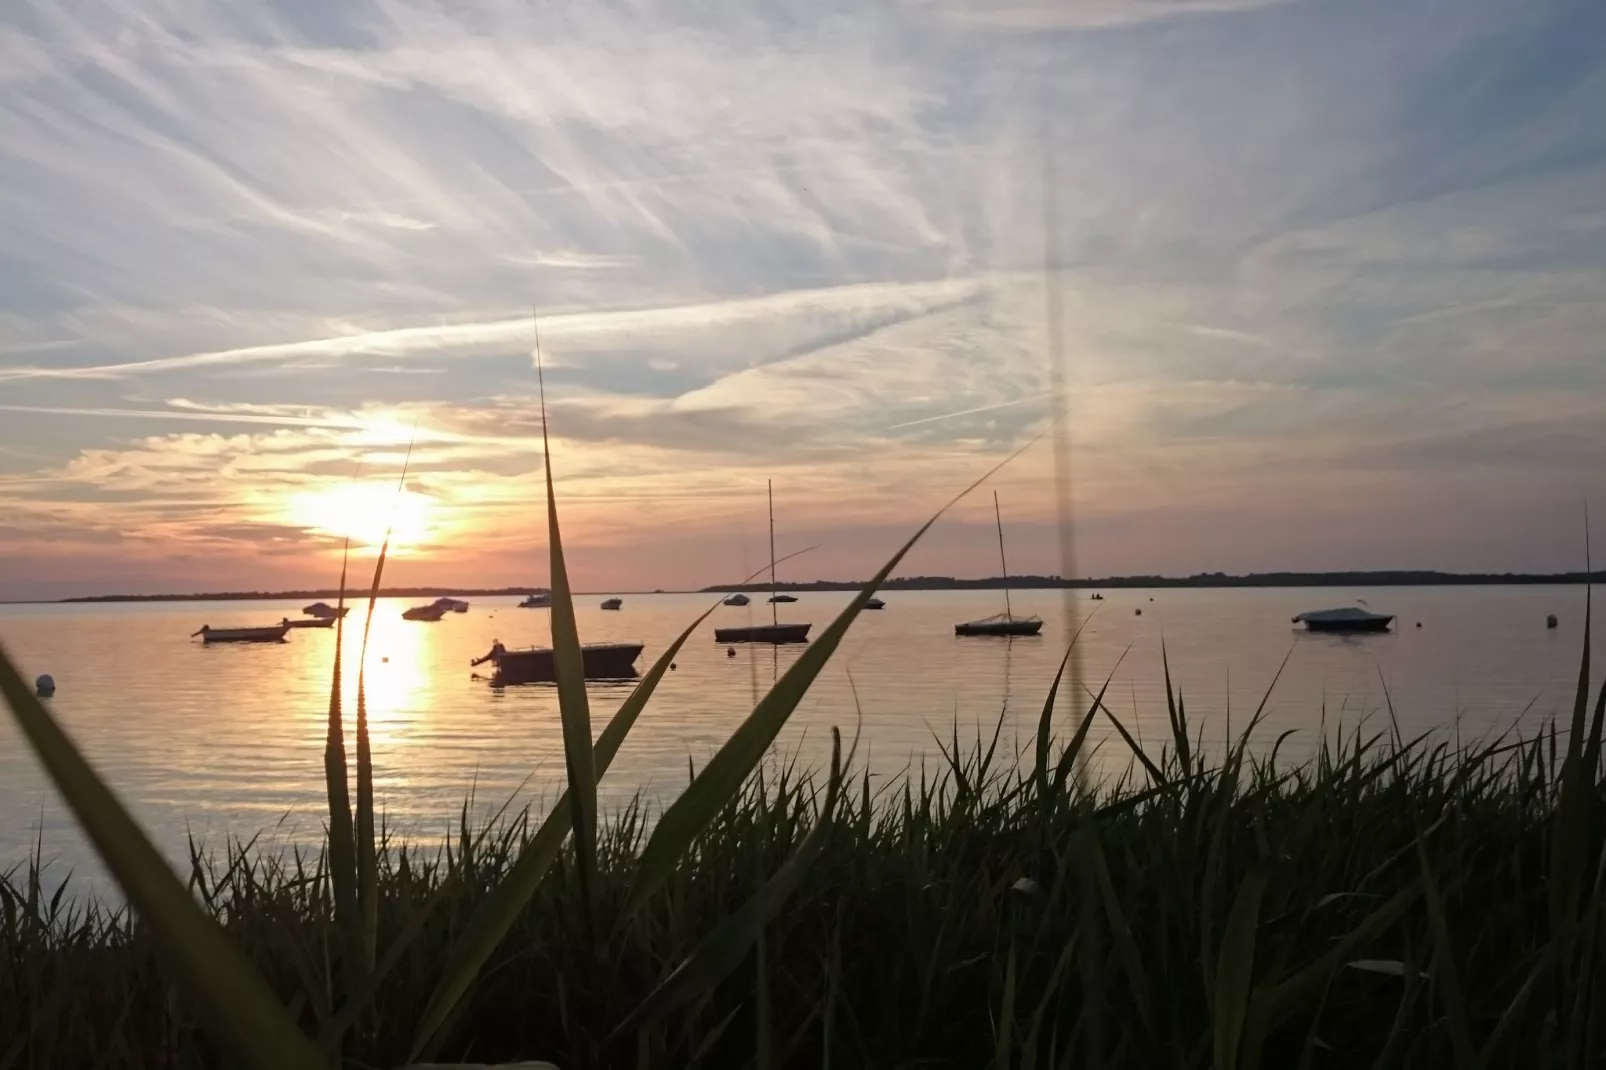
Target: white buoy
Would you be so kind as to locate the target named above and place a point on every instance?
(45, 686)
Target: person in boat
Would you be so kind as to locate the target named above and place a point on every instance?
(496, 651)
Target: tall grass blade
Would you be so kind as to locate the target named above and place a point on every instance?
(342, 834)
(725, 772)
(234, 1001)
(723, 949)
(1045, 720)
(574, 711)
(1235, 966)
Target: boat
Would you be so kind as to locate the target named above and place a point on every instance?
(778, 634)
(537, 600)
(737, 599)
(273, 633)
(1005, 623)
(875, 603)
(612, 603)
(774, 632)
(325, 611)
(429, 613)
(537, 665)
(313, 622)
(451, 605)
(1348, 619)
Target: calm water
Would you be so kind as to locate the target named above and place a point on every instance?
(229, 740)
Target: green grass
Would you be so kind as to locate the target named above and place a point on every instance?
(1382, 904)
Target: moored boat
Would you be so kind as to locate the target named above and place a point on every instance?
(313, 622)
(451, 605)
(764, 633)
(429, 614)
(1347, 619)
(1005, 623)
(325, 611)
(537, 600)
(875, 603)
(773, 632)
(737, 599)
(538, 665)
(274, 633)
(612, 603)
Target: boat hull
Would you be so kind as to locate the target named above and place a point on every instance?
(325, 612)
(737, 600)
(999, 627)
(1381, 624)
(764, 633)
(602, 661)
(314, 622)
(274, 634)
(428, 614)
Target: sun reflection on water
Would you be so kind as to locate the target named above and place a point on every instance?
(397, 677)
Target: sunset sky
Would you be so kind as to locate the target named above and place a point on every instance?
(1333, 279)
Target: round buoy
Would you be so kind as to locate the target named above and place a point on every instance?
(1137, 612)
(386, 660)
(671, 666)
(730, 652)
(1551, 621)
(45, 686)
(1419, 624)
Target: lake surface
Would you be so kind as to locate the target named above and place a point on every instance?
(228, 740)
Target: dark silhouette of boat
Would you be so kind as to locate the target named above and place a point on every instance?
(1005, 623)
(737, 599)
(537, 600)
(325, 611)
(612, 603)
(1349, 619)
(764, 633)
(773, 632)
(311, 622)
(429, 614)
(1002, 624)
(538, 665)
(875, 603)
(451, 605)
(274, 633)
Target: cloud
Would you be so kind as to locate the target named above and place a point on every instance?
(1080, 14)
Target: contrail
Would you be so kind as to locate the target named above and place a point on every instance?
(968, 412)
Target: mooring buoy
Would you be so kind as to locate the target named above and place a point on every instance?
(45, 686)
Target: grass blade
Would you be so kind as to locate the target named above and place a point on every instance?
(723, 949)
(1235, 966)
(235, 1002)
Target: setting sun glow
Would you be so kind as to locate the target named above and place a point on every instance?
(363, 512)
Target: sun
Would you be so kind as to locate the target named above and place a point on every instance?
(363, 512)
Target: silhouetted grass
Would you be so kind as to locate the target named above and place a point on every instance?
(940, 924)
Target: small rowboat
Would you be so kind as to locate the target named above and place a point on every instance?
(429, 614)
(310, 622)
(764, 633)
(782, 598)
(601, 661)
(272, 634)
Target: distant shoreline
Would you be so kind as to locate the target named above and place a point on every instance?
(1208, 580)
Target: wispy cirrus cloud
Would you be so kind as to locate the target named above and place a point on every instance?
(1312, 257)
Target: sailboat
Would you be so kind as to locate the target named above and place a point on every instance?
(1005, 623)
(775, 631)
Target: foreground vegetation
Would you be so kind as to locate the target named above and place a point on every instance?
(1391, 903)
(1385, 904)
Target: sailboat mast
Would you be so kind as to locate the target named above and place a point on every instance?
(769, 489)
(997, 516)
